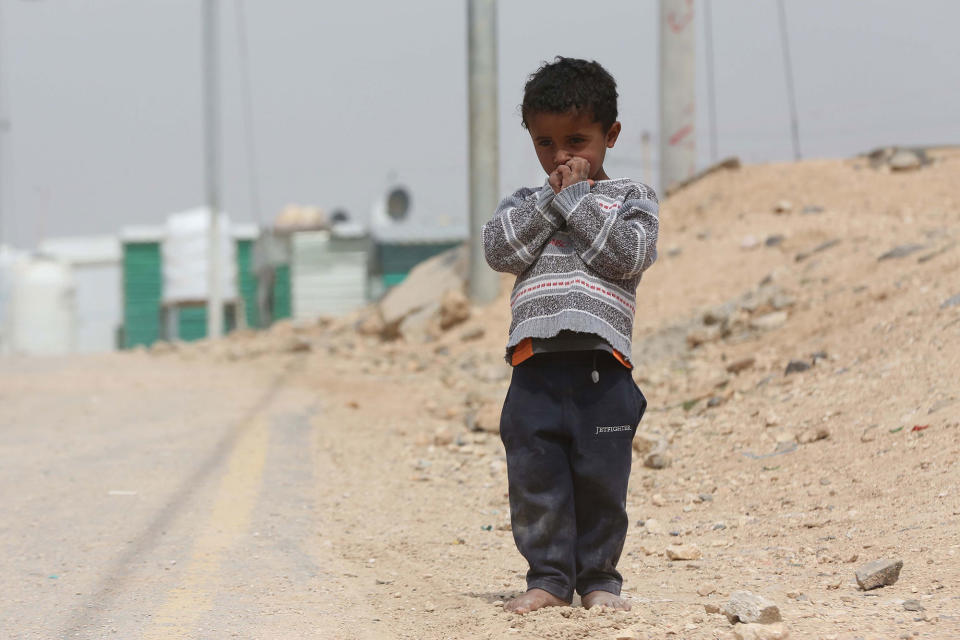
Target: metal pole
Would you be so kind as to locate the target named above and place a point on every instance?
(211, 96)
(4, 124)
(678, 157)
(484, 143)
(711, 85)
(788, 71)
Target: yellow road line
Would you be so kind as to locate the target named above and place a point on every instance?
(236, 497)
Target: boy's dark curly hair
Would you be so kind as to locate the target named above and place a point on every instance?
(571, 84)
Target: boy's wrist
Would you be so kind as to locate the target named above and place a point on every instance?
(570, 196)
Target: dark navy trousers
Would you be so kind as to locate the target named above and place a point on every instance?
(568, 441)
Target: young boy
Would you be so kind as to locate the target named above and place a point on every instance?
(578, 245)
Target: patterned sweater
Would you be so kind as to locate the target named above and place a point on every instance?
(578, 256)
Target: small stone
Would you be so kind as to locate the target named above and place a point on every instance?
(812, 435)
(657, 500)
(485, 419)
(771, 419)
(711, 607)
(783, 206)
(796, 366)
(626, 634)
(474, 333)
(769, 321)
(741, 365)
(442, 436)
(902, 251)
(683, 552)
(952, 301)
(747, 607)
(878, 573)
(904, 160)
(652, 525)
(912, 605)
(851, 558)
(749, 242)
(774, 240)
(761, 632)
(706, 588)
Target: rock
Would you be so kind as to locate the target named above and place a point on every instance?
(748, 607)
(454, 308)
(711, 607)
(796, 366)
(625, 634)
(761, 632)
(420, 326)
(741, 365)
(706, 589)
(296, 344)
(812, 435)
(904, 160)
(370, 322)
(749, 242)
(442, 436)
(783, 206)
(474, 333)
(646, 441)
(878, 573)
(486, 418)
(657, 459)
(811, 209)
(771, 419)
(912, 605)
(769, 321)
(424, 286)
(774, 240)
(902, 251)
(952, 301)
(704, 335)
(657, 500)
(652, 525)
(683, 552)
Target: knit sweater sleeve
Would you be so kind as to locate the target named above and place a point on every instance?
(519, 229)
(616, 238)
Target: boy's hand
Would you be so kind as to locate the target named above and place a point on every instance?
(555, 181)
(574, 171)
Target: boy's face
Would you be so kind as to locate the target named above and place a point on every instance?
(558, 137)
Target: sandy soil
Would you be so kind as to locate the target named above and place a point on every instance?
(786, 483)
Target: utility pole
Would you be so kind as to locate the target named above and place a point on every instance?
(484, 143)
(788, 72)
(4, 124)
(678, 150)
(211, 102)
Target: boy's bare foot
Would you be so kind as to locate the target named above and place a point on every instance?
(532, 600)
(605, 599)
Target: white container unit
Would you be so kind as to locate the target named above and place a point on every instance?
(9, 258)
(328, 272)
(95, 265)
(41, 309)
(185, 257)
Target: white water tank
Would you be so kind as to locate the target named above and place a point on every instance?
(41, 309)
(185, 257)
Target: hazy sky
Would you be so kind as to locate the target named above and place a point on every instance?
(104, 97)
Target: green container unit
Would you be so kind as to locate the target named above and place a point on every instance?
(247, 282)
(142, 292)
(281, 292)
(192, 323)
(394, 260)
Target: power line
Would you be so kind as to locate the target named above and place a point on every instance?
(711, 86)
(247, 99)
(788, 71)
